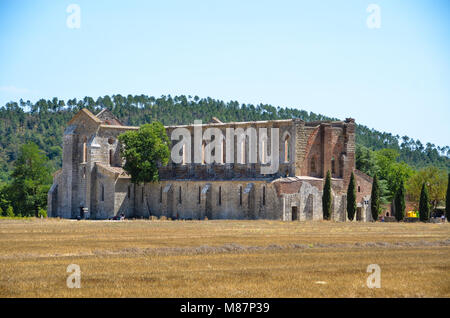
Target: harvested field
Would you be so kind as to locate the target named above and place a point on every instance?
(143, 258)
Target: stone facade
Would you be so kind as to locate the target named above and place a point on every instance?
(92, 176)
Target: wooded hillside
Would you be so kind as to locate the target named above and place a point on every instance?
(43, 123)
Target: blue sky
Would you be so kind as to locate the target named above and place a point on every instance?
(315, 55)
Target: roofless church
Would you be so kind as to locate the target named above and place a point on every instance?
(92, 176)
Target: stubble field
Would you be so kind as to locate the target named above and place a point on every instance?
(142, 258)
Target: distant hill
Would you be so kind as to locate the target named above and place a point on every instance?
(43, 122)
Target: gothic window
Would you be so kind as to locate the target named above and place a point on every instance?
(243, 150)
(199, 195)
(313, 165)
(110, 157)
(203, 152)
(333, 166)
(129, 192)
(103, 193)
(286, 149)
(341, 166)
(160, 194)
(220, 195)
(222, 145)
(179, 195)
(263, 151)
(84, 149)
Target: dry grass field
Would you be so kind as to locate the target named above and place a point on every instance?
(143, 258)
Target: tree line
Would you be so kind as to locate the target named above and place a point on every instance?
(43, 123)
(424, 205)
(32, 132)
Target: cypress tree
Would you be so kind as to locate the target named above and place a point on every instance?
(424, 207)
(375, 198)
(326, 197)
(351, 198)
(447, 200)
(399, 202)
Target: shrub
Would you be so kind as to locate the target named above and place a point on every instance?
(42, 213)
(10, 212)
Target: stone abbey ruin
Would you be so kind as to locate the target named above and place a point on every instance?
(92, 178)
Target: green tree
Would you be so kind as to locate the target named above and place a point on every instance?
(10, 212)
(390, 170)
(447, 200)
(4, 201)
(31, 181)
(399, 202)
(435, 180)
(375, 200)
(143, 150)
(42, 213)
(1, 211)
(424, 206)
(326, 197)
(43, 123)
(365, 160)
(351, 198)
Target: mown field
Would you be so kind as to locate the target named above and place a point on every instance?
(143, 258)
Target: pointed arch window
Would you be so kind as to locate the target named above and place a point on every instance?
(263, 151)
(84, 149)
(203, 152)
(222, 145)
(286, 149)
(243, 151)
(183, 149)
(313, 165)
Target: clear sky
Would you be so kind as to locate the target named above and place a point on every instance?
(320, 56)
